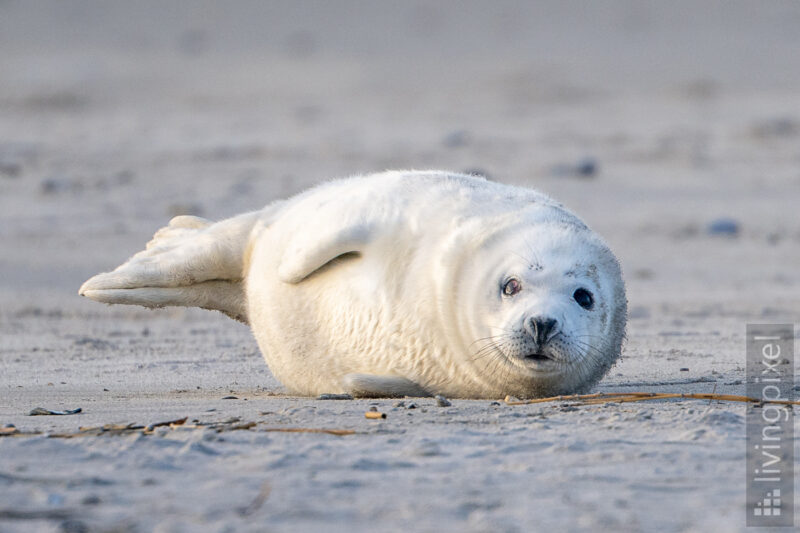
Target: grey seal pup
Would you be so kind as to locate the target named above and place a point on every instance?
(399, 283)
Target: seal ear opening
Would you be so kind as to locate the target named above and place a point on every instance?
(192, 262)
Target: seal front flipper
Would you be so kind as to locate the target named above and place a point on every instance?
(320, 244)
(374, 386)
(192, 262)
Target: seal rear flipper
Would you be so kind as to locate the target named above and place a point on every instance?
(192, 262)
(375, 386)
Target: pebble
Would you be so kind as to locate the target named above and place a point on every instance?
(724, 226)
(334, 397)
(55, 185)
(684, 369)
(456, 138)
(441, 401)
(411, 405)
(91, 499)
(586, 167)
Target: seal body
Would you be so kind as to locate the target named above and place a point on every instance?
(400, 283)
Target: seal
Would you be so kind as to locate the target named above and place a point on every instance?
(399, 284)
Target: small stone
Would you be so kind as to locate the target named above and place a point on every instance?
(92, 499)
(399, 404)
(54, 185)
(586, 167)
(684, 369)
(726, 227)
(495, 403)
(456, 139)
(411, 405)
(334, 397)
(441, 401)
(230, 397)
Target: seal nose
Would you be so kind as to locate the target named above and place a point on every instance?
(541, 328)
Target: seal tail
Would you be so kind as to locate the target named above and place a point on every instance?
(192, 262)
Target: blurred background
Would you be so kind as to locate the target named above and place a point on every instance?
(672, 128)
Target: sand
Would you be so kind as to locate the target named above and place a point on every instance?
(650, 120)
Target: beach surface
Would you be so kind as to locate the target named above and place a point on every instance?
(672, 129)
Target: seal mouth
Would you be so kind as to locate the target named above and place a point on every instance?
(538, 357)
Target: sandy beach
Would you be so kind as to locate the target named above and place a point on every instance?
(672, 129)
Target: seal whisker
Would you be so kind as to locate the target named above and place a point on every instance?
(491, 337)
(589, 347)
(491, 348)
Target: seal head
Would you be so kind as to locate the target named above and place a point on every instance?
(541, 307)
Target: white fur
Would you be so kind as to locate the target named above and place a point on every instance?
(391, 284)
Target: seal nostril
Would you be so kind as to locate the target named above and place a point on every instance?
(541, 329)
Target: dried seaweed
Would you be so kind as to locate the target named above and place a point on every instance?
(231, 424)
(604, 397)
(41, 411)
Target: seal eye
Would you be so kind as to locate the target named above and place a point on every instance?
(584, 298)
(512, 287)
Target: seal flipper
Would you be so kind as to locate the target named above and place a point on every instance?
(306, 256)
(192, 262)
(374, 386)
